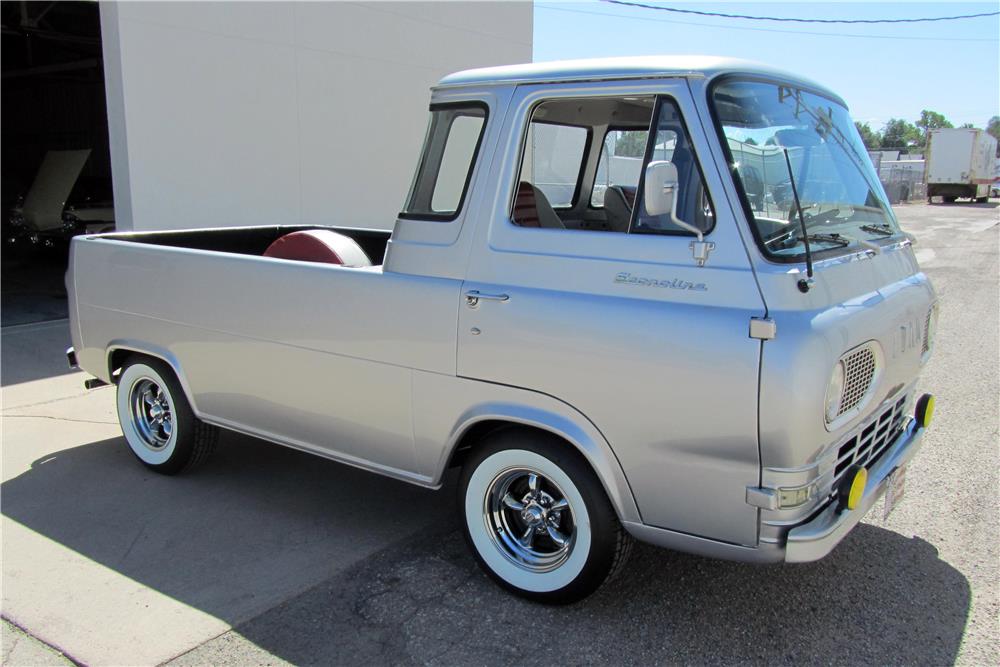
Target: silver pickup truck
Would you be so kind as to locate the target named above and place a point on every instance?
(658, 298)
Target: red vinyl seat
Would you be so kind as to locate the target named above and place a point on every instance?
(318, 245)
(532, 208)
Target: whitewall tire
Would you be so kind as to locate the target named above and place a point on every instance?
(156, 419)
(537, 518)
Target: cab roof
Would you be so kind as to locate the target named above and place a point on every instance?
(637, 67)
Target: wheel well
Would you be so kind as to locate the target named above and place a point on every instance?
(115, 362)
(480, 430)
(472, 436)
(118, 358)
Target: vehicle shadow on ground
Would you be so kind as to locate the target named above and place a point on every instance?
(35, 351)
(253, 526)
(989, 204)
(261, 524)
(880, 599)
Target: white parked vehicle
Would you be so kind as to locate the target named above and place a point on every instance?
(960, 164)
(715, 351)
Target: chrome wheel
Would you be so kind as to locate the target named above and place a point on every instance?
(529, 519)
(151, 413)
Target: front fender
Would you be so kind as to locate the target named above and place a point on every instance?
(446, 408)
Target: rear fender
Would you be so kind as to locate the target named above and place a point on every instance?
(149, 350)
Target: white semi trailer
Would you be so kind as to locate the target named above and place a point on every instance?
(960, 164)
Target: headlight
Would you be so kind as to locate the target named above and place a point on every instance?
(834, 392)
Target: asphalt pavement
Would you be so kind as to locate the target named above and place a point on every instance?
(268, 556)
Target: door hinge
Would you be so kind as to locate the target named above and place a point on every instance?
(763, 328)
(700, 251)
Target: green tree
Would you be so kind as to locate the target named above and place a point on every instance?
(993, 127)
(899, 133)
(869, 136)
(630, 143)
(967, 126)
(931, 120)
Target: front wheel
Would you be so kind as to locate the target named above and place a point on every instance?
(157, 421)
(537, 518)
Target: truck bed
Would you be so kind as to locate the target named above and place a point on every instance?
(252, 240)
(315, 356)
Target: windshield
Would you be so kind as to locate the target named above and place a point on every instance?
(841, 198)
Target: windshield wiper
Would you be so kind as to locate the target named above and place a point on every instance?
(842, 241)
(806, 283)
(878, 228)
(790, 239)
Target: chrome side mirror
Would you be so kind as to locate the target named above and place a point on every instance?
(659, 194)
(661, 183)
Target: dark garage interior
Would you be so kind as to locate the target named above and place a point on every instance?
(56, 167)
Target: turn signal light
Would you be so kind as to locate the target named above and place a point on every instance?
(852, 487)
(788, 498)
(925, 410)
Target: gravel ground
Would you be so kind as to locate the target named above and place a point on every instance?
(918, 588)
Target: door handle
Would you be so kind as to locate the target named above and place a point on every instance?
(473, 297)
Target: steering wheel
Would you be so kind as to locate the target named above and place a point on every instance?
(824, 218)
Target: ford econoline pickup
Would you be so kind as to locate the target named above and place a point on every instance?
(657, 298)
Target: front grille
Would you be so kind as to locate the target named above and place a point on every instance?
(927, 331)
(859, 371)
(865, 447)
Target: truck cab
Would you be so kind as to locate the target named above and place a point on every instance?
(660, 298)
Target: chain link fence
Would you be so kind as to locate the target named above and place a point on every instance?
(901, 174)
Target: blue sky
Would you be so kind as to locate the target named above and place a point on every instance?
(882, 71)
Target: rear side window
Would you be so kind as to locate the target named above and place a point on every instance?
(553, 158)
(449, 155)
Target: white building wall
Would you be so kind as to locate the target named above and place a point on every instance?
(282, 113)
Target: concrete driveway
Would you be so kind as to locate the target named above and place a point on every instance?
(114, 564)
(267, 555)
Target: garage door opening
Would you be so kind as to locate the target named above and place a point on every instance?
(56, 167)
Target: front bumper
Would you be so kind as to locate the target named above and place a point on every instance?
(816, 538)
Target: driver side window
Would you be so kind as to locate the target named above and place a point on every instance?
(583, 164)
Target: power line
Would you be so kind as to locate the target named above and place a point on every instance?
(786, 19)
(784, 32)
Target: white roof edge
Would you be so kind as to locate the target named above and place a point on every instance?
(594, 69)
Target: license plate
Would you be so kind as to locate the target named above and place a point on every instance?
(895, 490)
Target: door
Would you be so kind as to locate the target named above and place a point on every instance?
(625, 326)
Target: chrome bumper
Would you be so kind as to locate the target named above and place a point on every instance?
(815, 539)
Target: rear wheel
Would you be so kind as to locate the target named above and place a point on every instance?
(949, 199)
(537, 518)
(157, 421)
